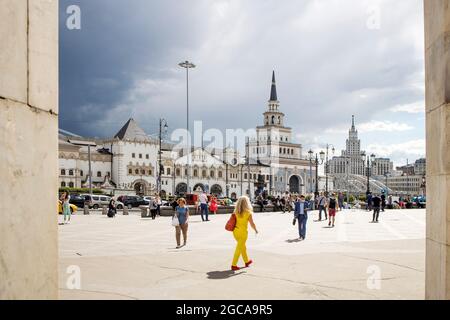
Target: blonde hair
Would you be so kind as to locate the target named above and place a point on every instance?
(181, 200)
(243, 205)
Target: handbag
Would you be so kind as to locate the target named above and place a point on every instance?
(231, 224)
(175, 221)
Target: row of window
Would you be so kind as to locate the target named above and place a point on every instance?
(70, 185)
(140, 155)
(71, 173)
(262, 150)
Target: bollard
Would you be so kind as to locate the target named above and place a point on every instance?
(104, 210)
(125, 211)
(86, 210)
(144, 212)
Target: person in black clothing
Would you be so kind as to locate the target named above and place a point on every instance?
(376, 205)
(383, 202)
(277, 204)
(112, 209)
(261, 203)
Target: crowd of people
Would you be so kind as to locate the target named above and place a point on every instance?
(327, 205)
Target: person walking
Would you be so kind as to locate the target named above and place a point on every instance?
(203, 200)
(376, 201)
(213, 206)
(369, 202)
(65, 198)
(341, 201)
(383, 202)
(112, 211)
(322, 204)
(301, 214)
(158, 205)
(332, 209)
(244, 216)
(182, 213)
(277, 204)
(261, 203)
(153, 207)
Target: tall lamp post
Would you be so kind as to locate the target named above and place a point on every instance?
(327, 166)
(89, 145)
(187, 65)
(162, 129)
(315, 161)
(370, 161)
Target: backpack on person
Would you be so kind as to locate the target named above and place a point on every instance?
(332, 204)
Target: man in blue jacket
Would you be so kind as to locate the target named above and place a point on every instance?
(301, 214)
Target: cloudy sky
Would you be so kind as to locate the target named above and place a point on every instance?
(332, 58)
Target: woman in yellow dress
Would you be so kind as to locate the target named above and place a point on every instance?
(243, 212)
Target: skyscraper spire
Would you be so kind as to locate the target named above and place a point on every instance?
(353, 123)
(273, 91)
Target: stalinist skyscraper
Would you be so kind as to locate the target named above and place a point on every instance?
(352, 155)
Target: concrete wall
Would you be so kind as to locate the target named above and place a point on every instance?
(28, 149)
(437, 46)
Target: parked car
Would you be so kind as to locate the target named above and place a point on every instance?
(77, 200)
(96, 201)
(133, 201)
(119, 205)
(73, 208)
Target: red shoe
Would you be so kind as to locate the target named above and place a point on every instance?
(248, 263)
(233, 268)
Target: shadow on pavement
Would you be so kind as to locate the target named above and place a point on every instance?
(293, 240)
(222, 275)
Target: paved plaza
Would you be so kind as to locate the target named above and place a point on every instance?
(133, 258)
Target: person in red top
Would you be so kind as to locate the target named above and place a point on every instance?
(332, 208)
(213, 206)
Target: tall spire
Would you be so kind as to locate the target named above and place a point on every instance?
(353, 123)
(273, 92)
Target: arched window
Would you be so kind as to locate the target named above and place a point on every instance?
(220, 174)
(71, 185)
(195, 173)
(81, 173)
(99, 174)
(212, 174)
(70, 172)
(136, 171)
(63, 172)
(63, 184)
(178, 172)
(130, 171)
(168, 171)
(204, 175)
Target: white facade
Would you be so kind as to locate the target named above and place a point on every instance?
(129, 163)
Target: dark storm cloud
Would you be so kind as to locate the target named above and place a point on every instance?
(329, 65)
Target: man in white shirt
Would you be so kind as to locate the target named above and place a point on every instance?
(322, 203)
(203, 199)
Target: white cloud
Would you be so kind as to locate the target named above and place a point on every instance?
(399, 152)
(373, 126)
(384, 126)
(417, 107)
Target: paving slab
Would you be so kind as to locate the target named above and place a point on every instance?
(133, 258)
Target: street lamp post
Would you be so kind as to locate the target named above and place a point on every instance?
(187, 65)
(327, 167)
(370, 161)
(316, 162)
(162, 129)
(87, 144)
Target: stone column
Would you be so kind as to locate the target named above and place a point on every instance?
(437, 51)
(28, 149)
